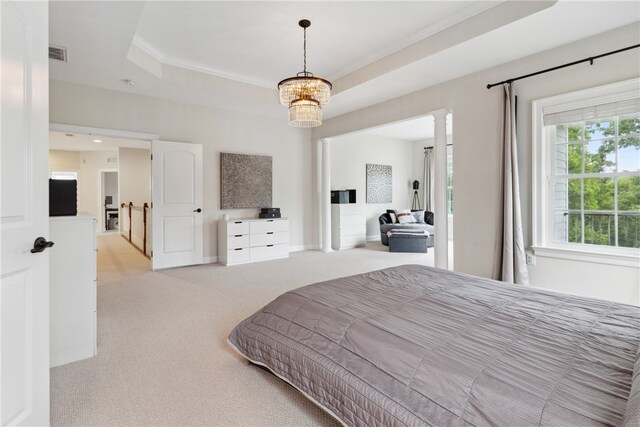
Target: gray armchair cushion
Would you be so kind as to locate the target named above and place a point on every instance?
(415, 226)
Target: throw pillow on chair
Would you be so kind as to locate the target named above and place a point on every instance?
(405, 216)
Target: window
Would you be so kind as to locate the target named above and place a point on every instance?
(587, 162)
(63, 175)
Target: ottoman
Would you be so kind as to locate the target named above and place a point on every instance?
(408, 241)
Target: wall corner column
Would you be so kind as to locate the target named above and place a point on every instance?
(326, 194)
(441, 249)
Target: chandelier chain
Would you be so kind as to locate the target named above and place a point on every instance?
(305, 51)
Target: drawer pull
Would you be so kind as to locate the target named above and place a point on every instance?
(269, 246)
(238, 249)
(238, 222)
(269, 220)
(238, 235)
(269, 232)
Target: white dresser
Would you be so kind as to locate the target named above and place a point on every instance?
(249, 240)
(73, 279)
(348, 226)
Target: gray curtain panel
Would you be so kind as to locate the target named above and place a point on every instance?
(428, 179)
(511, 265)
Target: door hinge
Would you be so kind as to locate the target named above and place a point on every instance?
(152, 157)
(151, 205)
(151, 254)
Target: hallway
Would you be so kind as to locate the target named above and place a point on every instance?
(118, 259)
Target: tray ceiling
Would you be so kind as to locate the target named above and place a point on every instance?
(232, 54)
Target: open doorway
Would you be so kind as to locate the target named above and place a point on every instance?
(406, 150)
(112, 170)
(110, 203)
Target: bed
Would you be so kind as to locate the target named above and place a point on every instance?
(414, 345)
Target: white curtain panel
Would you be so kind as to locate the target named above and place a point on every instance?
(511, 265)
(428, 179)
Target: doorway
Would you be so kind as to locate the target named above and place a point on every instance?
(113, 174)
(109, 218)
(419, 156)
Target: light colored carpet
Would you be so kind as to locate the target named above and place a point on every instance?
(162, 356)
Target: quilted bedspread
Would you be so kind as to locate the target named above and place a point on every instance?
(413, 346)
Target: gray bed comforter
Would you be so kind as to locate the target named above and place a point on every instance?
(413, 346)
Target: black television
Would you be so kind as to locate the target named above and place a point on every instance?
(63, 197)
(343, 196)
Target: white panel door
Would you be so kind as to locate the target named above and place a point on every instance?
(24, 213)
(176, 195)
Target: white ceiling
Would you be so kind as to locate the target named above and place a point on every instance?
(261, 42)
(83, 142)
(232, 54)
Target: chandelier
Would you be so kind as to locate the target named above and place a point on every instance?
(304, 94)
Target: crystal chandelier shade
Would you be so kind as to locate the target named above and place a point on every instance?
(298, 87)
(305, 113)
(305, 94)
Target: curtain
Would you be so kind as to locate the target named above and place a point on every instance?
(428, 179)
(511, 265)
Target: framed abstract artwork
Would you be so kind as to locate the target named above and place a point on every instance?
(246, 181)
(379, 184)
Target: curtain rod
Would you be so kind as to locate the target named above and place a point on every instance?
(569, 64)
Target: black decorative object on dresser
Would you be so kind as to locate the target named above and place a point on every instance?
(269, 213)
(343, 196)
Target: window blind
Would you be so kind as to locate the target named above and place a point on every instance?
(602, 111)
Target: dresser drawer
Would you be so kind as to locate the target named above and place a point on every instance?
(269, 225)
(352, 219)
(237, 227)
(353, 230)
(269, 252)
(235, 256)
(352, 241)
(238, 241)
(270, 238)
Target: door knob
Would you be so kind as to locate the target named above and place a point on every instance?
(40, 245)
(197, 210)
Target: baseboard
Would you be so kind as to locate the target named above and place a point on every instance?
(300, 248)
(69, 355)
(374, 238)
(137, 241)
(210, 260)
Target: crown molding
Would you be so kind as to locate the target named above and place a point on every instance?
(173, 61)
(468, 12)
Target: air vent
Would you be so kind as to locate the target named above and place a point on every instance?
(58, 53)
(112, 160)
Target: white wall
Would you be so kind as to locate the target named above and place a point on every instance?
(349, 156)
(134, 166)
(218, 131)
(92, 163)
(134, 187)
(477, 129)
(67, 161)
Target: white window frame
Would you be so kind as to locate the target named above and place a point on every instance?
(543, 159)
(53, 173)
